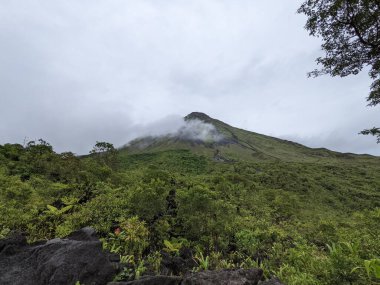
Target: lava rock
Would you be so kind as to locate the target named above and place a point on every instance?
(59, 261)
(177, 265)
(152, 280)
(85, 234)
(225, 277)
(273, 281)
(12, 244)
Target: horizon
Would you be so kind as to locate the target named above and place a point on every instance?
(177, 124)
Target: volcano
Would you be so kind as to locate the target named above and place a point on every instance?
(219, 141)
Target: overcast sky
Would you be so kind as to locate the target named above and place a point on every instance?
(75, 72)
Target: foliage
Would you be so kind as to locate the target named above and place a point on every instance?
(350, 30)
(154, 261)
(173, 246)
(105, 153)
(131, 238)
(372, 267)
(306, 221)
(202, 261)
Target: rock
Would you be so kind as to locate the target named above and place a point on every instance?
(273, 281)
(177, 265)
(225, 277)
(12, 244)
(85, 234)
(79, 257)
(152, 280)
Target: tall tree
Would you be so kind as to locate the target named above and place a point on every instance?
(350, 31)
(105, 153)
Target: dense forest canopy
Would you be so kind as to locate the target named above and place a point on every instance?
(304, 222)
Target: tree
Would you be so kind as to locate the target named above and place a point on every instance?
(40, 159)
(102, 147)
(105, 153)
(350, 30)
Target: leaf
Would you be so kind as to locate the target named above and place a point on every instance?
(355, 268)
(168, 244)
(376, 267)
(65, 209)
(367, 264)
(69, 200)
(52, 209)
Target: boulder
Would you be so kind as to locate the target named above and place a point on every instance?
(79, 257)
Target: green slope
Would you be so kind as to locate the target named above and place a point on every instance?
(242, 145)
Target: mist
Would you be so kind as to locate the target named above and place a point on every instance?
(176, 126)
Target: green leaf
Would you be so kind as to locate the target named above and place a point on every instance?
(52, 209)
(65, 209)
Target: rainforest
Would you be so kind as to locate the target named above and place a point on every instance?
(235, 200)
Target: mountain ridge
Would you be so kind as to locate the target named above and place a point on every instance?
(242, 145)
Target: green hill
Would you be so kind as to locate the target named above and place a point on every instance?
(241, 145)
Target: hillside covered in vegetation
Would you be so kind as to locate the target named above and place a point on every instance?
(230, 199)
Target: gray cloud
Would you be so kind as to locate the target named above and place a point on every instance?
(73, 72)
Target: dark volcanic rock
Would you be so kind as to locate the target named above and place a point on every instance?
(177, 265)
(85, 234)
(225, 277)
(13, 244)
(273, 281)
(152, 280)
(59, 261)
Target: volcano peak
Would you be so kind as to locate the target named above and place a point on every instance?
(198, 115)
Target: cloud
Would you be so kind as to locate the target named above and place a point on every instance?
(176, 127)
(198, 130)
(73, 72)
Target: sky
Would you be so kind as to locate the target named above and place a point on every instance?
(76, 72)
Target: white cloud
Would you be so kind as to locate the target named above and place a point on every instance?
(176, 126)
